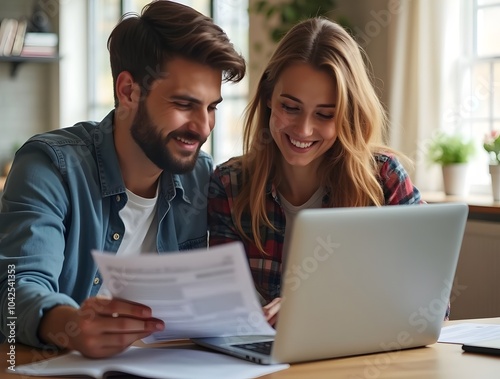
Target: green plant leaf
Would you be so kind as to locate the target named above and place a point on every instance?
(447, 149)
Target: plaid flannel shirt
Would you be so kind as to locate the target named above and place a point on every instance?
(266, 269)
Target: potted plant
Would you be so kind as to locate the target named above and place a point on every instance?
(491, 144)
(453, 153)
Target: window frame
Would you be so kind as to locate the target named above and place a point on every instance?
(475, 92)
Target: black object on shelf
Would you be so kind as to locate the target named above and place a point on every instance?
(40, 21)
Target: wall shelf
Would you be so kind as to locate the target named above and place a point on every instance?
(17, 60)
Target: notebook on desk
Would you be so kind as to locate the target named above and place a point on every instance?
(359, 281)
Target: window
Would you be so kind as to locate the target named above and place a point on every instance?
(103, 16)
(232, 16)
(479, 111)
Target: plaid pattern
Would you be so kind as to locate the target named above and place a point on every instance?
(266, 270)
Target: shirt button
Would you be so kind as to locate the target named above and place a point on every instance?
(96, 280)
(116, 236)
(118, 198)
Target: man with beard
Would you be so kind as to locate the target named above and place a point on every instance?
(134, 183)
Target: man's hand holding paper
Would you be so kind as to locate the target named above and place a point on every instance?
(197, 294)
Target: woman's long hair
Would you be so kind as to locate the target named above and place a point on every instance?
(348, 171)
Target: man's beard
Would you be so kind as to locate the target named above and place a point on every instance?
(154, 145)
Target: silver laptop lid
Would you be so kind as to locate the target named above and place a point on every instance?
(363, 280)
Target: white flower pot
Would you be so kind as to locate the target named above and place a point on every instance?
(455, 179)
(495, 181)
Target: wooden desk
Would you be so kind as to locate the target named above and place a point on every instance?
(438, 361)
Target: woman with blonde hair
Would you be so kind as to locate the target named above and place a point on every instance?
(313, 138)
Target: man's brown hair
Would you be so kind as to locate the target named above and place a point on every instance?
(143, 44)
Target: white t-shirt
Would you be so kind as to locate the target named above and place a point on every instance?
(141, 228)
(315, 201)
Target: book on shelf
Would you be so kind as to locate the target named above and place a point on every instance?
(38, 51)
(8, 35)
(39, 45)
(40, 39)
(16, 40)
(3, 33)
(3, 23)
(17, 46)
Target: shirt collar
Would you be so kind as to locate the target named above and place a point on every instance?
(273, 191)
(170, 184)
(106, 158)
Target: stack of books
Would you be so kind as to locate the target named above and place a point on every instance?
(16, 40)
(39, 45)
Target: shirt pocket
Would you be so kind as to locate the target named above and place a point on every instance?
(194, 243)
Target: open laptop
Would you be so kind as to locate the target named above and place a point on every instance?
(359, 281)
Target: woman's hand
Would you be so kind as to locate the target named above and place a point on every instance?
(271, 311)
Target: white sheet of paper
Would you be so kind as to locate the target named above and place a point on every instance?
(468, 333)
(161, 363)
(198, 293)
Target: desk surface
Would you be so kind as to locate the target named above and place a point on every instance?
(438, 361)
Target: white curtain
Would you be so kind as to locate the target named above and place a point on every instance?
(424, 47)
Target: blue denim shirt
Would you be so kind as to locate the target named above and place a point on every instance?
(60, 201)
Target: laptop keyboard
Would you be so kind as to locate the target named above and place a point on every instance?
(259, 347)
